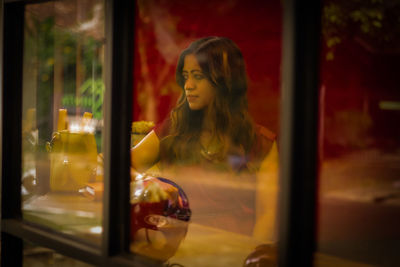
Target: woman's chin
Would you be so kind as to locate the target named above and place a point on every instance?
(195, 107)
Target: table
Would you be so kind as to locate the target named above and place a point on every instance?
(68, 213)
(203, 245)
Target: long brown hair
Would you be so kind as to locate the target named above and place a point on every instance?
(222, 63)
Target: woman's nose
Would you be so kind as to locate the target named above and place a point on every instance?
(189, 84)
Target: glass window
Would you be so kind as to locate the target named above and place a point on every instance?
(35, 255)
(204, 136)
(63, 73)
(359, 194)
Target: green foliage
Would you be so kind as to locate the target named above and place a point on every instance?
(41, 36)
(374, 23)
(76, 54)
(47, 38)
(92, 92)
(95, 90)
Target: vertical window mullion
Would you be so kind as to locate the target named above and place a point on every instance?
(11, 105)
(301, 35)
(117, 116)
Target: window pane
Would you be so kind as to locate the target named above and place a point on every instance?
(359, 195)
(62, 116)
(204, 179)
(36, 256)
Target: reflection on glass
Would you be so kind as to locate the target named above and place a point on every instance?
(359, 195)
(204, 173)
(62, 116)
(40, 256)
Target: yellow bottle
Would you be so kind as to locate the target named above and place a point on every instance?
(62, 120)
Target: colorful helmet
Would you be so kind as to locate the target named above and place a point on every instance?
(160, 216)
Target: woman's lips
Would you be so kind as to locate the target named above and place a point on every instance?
(191, 98)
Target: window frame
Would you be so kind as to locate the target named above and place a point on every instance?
(299, 133)
(115, 244)
(299, 124)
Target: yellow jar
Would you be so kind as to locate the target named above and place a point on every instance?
(73, 160)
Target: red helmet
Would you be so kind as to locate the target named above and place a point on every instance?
(160, 216)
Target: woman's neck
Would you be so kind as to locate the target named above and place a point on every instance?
(208, 131)
(208, 122)
(207, 126)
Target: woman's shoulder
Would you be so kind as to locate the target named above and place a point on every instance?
(264, 138)
(264, 132)
(262, 145)
(162, 129)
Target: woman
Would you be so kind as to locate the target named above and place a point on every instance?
(210, 124)
(210, 129)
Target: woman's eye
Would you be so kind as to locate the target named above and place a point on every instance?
(185, 77)
(198, 76)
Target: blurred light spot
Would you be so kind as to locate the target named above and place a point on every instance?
(389, 105)
(74, 127)
(96, 230)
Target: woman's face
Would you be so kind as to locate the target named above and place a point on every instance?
(198, 89)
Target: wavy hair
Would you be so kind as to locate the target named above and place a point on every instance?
(222, 64)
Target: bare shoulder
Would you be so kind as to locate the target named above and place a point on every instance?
(263, 143)
(265, 132)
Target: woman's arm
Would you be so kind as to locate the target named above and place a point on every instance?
(146, 153)
(267, 196)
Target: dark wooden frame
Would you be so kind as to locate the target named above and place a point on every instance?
(299, 132)
(298, 143)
